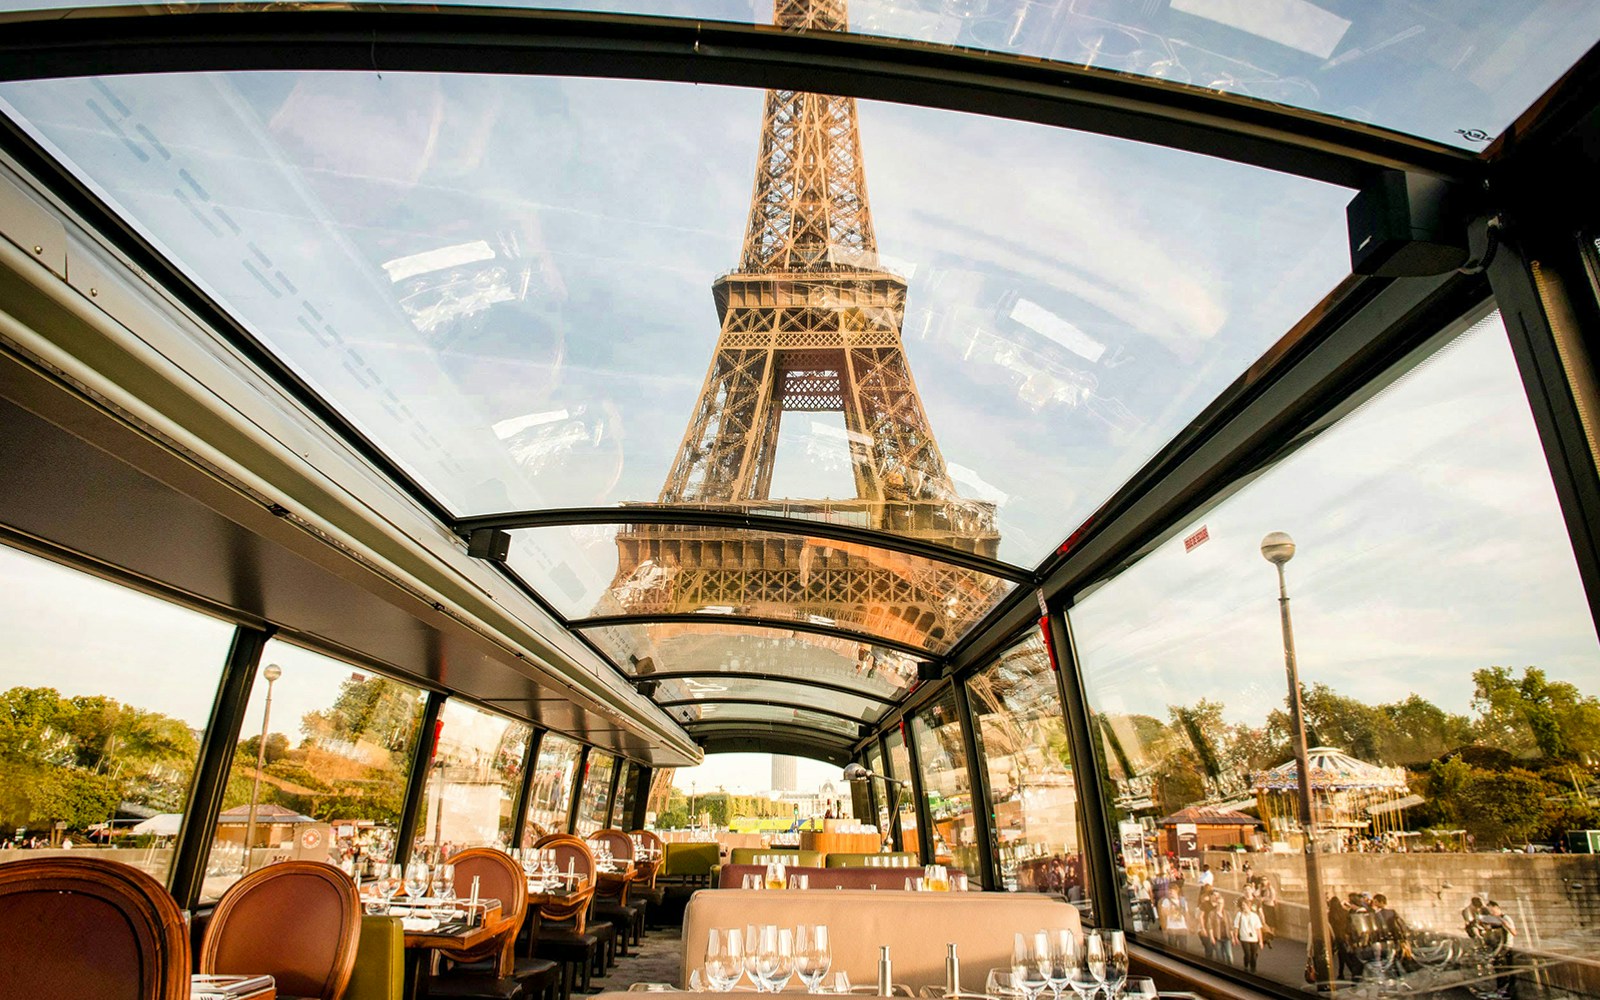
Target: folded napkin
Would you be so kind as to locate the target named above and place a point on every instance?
(419, 923)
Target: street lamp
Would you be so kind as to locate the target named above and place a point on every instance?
(1278, 548)
(272, 672)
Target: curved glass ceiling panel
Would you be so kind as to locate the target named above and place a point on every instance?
(714, 689)
(1456, 73)
(667, 648)
(721, 713)
(608, 569)
(507, 285)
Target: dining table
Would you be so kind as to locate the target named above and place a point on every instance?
(454, 936)
(233, 987)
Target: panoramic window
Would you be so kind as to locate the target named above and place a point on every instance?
(879, 791)
(946, 784)
(627, 795)
(477, 768)
(1033, 794)
(904, 793)
(594, 802)
(550, 794)
(104, 693)
(1449, 672)
(320, 769)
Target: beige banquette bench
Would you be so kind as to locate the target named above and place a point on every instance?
(915, 925)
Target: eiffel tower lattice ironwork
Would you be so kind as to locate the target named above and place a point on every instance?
(811, 322)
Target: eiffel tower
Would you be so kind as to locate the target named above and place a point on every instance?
(811, 323)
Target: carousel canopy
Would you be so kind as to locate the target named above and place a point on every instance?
(1333, 770)
(265, 813)
(1208, 816)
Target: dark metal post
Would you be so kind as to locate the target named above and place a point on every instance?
(210, 782)
(611, 796)
(417, 780)
(1087, 773)
(642, 776)
(519, 802)
(924, 817)
(978, 786)
(578, 776)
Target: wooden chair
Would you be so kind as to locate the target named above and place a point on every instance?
(646, 889)
(297, 921)
(565, 934)
(491, 971)
(83, 927)
(611, 890)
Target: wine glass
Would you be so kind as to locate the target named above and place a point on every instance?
(1094, 957)
(775, 961)
(724, 958)
(1030, 962)
(1001, 985)
(1064, 955)
(416, 881)
(444, 884)
(752, 945)
(839, 982)
(812, 956)
(1141, 987)
(775, 875)
(389, 885)
(1080, 976)
(1115, 946)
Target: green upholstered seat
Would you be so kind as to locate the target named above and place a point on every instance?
(691, 860)
(909, 859)
(786, 855)
(380, 961)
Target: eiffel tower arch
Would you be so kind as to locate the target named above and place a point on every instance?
(810, 322)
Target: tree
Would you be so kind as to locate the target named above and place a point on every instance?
(1503, 807)
(1533, 716)
(277, 748)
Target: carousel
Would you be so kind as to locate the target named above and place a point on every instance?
(1348, 796)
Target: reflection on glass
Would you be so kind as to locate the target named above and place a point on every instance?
(707, 644)
(946, 783)
(627, 795)
(477, 768)
(1450, 673)
(900, 768)
(104, 693)
(594, 802)
(775, 692)
(550, 794)
(339, 745)
(879, 792)
(1033, 794)
(713, 712)
(405, 242)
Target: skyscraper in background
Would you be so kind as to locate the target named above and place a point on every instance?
(784, 775)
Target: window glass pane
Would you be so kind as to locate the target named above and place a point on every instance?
(104, 693)
(900, 768)
(875, 765)
(550, 797)
(1022, 736)
(339, 744)
(1063, 310)
(627, 795)
(1451, 680)
(946, 783)
(594, 804)
(474, 778)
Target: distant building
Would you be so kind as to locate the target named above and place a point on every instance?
(785, 773)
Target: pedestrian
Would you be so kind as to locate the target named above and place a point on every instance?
(1206, 876)
(1216, 935)
(1247, 928)
(1269, 910)
(1172, 913)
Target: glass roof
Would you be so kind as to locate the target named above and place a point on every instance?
(691, 715)
(604, 570)
(741, 690)
(505, 283)
(1456, 73)
(709, 647)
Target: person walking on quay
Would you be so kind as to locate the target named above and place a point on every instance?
(1216, 934)
(1248, 927)
(1269, 910)
(1339, 930)
(1173, 915)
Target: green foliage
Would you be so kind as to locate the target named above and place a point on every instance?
(277, 747)
(79, 797)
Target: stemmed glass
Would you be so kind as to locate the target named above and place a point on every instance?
(389, 885)
(724, 959)
(812, 956)
(1030, 963)
(1094, 957)
(752, 947)
(775, 961)
(416, 881)
(1079, 976)
(1002, 985)
(1115, 947)
(1064, 954)
(444, 884)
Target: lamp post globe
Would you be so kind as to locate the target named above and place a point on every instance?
(272, 672)
(1277, 548)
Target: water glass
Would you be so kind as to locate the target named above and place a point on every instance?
(776, 960)
(724, 959)
(1141, 988)
(1002, 985)
(812, 955)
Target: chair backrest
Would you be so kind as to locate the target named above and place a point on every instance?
(83, 927)
(499, 877)
(380, 961)
(782, 855)
(575, 850)
(620, 843)
(297, 921)
(691, 859)
(904, 859)
(655, 844)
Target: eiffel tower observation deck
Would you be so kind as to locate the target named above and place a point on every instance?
(810, 322)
